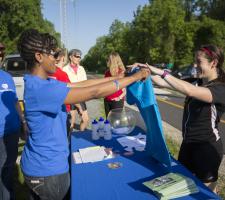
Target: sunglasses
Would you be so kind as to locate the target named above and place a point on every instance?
(76, 56)
(55, 54)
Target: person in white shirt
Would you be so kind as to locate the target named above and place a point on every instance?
(76, 73)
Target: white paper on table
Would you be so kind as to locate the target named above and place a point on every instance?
(130, 149)
(140, 148)
(76, 157)
(138, 142)
(141, 137)
(126, 141)
(93, 154)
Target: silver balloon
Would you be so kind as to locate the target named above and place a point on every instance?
(122, 120)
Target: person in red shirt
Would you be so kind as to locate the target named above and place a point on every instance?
(60, 75)
(60, 61)
(116, 67)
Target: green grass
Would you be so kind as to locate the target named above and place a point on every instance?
(173, 147)
(20, 187)
(221, 186)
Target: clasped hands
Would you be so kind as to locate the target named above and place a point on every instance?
(145, 69)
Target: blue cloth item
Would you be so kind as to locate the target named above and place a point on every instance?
(141, 93)
(46, 151)
(9, 118)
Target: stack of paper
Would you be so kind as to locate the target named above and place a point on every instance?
(91, 154)
(172, 185)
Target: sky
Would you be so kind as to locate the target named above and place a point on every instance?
(88, 19)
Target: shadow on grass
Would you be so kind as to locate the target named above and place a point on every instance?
(221, 186)
(21, 189)
(21, 144)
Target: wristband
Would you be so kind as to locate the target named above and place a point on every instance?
(117, 84)
(165, 73)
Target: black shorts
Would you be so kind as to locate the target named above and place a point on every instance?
(202, 159)
(82, 104)
(109, 105)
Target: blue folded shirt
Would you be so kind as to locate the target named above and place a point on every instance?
(142, 94)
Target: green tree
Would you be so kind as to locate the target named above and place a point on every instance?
(114, 41)
(156, 27)
(95, 60)
(17, 16)
(188, 6)
(214, 9)
(210, 31)
(184, 43)
(167, 31)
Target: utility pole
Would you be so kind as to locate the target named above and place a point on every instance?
(63, 22)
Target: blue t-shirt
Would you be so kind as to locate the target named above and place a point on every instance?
(46, 151)
(9, 118)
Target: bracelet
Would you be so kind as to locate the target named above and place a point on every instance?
(165, 73)
(117, 84)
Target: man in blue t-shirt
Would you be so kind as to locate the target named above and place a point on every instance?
(9, 134)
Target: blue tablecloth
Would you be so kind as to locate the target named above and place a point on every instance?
(95, 181)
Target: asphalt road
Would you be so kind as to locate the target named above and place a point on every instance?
(171, 109)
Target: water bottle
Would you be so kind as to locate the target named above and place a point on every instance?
(94, 133)
(107, 130)
(101, 127)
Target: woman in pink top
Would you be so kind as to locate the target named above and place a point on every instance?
(116, 68)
